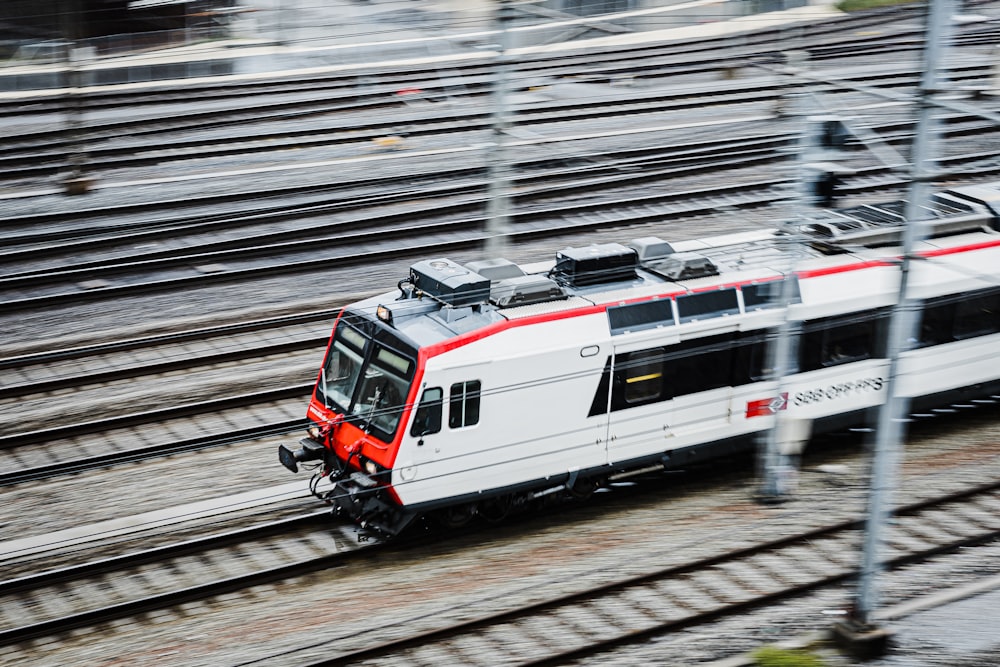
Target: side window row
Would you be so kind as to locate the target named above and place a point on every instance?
(463, 408)
(948, 319)
(632, 317)
(661, 373)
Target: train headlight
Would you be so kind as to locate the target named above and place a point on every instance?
(384, 314)
(371, 467)
(313, 432)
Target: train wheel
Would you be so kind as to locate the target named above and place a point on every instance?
(496, 509)
(457, 516)
(584, 488)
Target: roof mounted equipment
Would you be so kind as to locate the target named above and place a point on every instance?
(495, 269)
(683, 266)
(651, 248)
(873, 225)
(449, 282)
(595, 265)
(524, 290)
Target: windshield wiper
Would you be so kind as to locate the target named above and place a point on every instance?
(322, 379)
(376, 399)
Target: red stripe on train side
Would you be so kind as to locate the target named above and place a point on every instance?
(844, 268)
(497, 327)
(966, 248)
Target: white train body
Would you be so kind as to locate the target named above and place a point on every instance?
(619, 361)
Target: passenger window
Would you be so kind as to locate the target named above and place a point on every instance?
(843, 345)
(703, 305)
(428, 417)
(977, 317)
(463, 405)
(750, 358)
(842, 340)
(640, 316)
(642, 373)
(701, 365)
(936, 324)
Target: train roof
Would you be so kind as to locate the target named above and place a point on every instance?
(441, 299)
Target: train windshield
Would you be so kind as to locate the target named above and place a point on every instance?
(366, 380)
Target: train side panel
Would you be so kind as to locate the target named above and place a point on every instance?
(537, 384)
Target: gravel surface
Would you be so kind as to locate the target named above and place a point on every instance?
(626, 531)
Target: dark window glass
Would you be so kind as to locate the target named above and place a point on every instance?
(959, 316)
(978, 316)
(463, 404)
(661, 373)
(936, 324)
(640, 316)
(750, 357)
(643, 376)
(841, 340)
(768, 295)
(382, 390)
(428, 417)
(845, 344)
(700, 365)
(639, 379)
(707, 304)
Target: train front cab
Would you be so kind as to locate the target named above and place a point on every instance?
(358, 408)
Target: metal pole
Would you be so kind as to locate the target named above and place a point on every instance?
(77, 182)
(902, 329)
(497, 225)
(775, 466)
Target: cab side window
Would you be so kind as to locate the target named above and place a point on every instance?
(463, 404)
(428, 418)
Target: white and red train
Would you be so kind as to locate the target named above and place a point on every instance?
(473, 388)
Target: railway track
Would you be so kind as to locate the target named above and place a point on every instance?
(592, 620)
(603, 618)
(27, 155)
(55, 601)
(833, 38)
(93, 236)
(33, 158)
(98, 392)
(431, 229)
(135, 583)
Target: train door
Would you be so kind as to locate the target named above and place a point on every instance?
(700, 373)
(640, 403)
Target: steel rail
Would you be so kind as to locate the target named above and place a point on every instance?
(199, 333)
(461, 198)
(53, 577)
(405, 241)
(558, 656)
(348, 197)
(32, 161)
(178, 596)
(352, 194)
(461, 234)
(232, 436)
(186, 363)
(362, 130)
(404, 74)
(150, 416)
